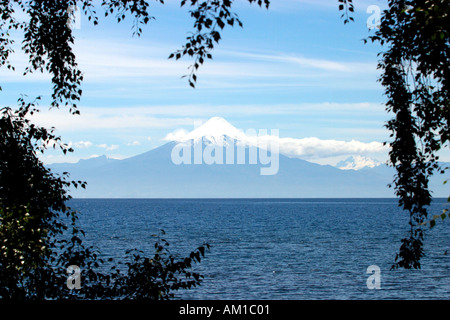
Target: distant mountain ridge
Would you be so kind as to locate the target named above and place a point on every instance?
(357, 163)
(154, 174)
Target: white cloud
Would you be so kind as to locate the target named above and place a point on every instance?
(315, 148)
(175, 135)
(109, 148)
(83, 144)
(134, 143)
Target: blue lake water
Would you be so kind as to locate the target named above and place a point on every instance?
(280, 249)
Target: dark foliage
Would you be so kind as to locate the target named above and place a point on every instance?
(40, 238)
(416, 78)
(31, 201)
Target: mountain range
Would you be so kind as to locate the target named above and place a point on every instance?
(357, 163)
(216, 160)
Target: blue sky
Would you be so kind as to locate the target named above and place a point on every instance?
(294, 67)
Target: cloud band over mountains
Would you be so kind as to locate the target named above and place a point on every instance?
(311, 147)
(305, 148)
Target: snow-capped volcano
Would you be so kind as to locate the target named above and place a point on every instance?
(215, 130)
